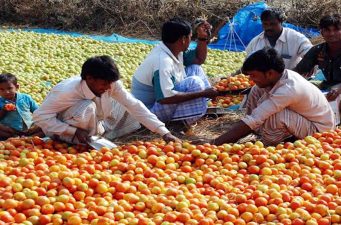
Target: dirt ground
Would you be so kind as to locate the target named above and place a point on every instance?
(210, 126)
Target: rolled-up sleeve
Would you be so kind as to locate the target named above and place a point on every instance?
(137, 109)
(274, 104)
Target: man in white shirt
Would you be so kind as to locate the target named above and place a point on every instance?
(95, 103)
(162, 83)
(281, 105)
(290, 44)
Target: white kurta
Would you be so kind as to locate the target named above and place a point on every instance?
(73, 90)
(291, 45)
(293, 106)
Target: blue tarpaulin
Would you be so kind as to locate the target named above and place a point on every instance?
(110, 38)
(245, 25)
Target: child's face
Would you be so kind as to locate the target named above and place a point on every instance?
(8, 90)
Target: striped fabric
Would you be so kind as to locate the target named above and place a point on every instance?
(191, 110)
(281, 125)
(83, 115)
(119, 123)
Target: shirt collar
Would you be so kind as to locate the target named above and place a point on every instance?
(282, 37)
(279, 82)
(86, 90)
(168, 51)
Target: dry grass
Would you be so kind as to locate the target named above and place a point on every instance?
(207, 128)
(128, 17)
(143, 18)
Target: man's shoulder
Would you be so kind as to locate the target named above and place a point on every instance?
(68, 83)
(158, 55)
(320, 46)
(258, 37)
(316, 49)
(291, 33)
(298, 82)
(254, 42)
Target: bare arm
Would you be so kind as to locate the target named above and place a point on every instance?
(237, 130)
(203, 31)
(182, 97)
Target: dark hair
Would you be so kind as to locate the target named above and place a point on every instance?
(174, 29)
(264, 60)
(100, 67)
(273, 13)
(8, 77)
(330, 20)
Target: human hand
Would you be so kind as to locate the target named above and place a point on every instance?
(204, 30)
(201, 141)
(34, 131)
(9, 107)
(227, 76)
(333, 94)
(169, 137)
(211, 92)
(81, 135)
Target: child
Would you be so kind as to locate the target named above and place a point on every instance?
(15, 110)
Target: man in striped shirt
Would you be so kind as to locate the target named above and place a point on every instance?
(281, 105)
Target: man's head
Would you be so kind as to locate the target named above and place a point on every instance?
(100, 72)
(8, 86)
(265, 67)
(178, 31)
(330, 27)
(272, 20)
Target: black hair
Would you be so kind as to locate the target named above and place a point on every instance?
(174, 29)
(100, 67)
(330, 20)
(264, 60)
(273, 13)
(8, 77)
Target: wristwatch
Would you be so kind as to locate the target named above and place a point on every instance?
(204, 39)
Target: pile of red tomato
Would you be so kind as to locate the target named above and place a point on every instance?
(172, 183)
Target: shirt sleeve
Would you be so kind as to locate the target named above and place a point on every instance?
(2, 103)
(274, 104)
(308, 62)
(33, 105)
(46, 115)
(250, 47)
(137, 109)
(164, 81)
(304, 45)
